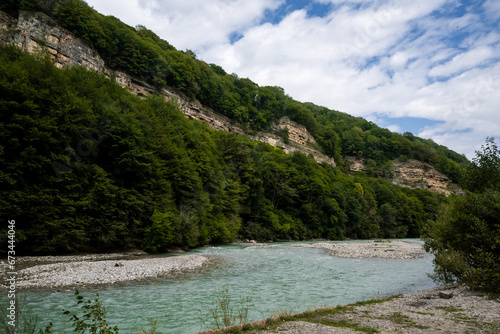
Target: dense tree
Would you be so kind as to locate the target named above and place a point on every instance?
(143, 54)
(466, 236)
(86, 166)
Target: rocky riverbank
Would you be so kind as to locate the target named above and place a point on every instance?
(373, 249)
(445, 309)
(78, 271)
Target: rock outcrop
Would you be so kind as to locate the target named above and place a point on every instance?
(36, 32)
(296, 132)
(419, 175)
(412, 174)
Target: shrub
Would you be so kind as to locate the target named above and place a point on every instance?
(466, 236)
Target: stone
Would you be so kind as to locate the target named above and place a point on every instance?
(445, 295)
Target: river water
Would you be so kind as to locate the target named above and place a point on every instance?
(276, 278)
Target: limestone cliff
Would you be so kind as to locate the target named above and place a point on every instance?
(419, 175)
(412, 174)
(36, 32)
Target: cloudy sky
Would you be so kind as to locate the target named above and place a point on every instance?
(431, 67)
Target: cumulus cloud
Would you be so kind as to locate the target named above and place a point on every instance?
(196, 24)
(380, 57)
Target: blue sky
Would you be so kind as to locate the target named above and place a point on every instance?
(430, 67)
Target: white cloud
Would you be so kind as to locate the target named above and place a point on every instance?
(394, 128)
(363, 58)
(194, 25)
(492, 8)
(463, 61)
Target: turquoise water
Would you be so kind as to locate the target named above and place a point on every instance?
(275, 278)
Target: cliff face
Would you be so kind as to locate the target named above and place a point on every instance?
(412, 174)
(36, 32)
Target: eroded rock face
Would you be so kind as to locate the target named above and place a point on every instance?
(296, 132)
(356, 164)
(416, 174)
(36, 32)
(412, 174)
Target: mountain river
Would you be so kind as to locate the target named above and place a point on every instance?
(276, 278)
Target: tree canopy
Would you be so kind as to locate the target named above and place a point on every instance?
(141, 53)
(87, 166)
(466, 236)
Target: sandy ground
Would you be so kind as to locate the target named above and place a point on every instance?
(419, 312)
(384, 249)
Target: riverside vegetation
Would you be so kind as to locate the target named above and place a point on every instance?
(88, 167)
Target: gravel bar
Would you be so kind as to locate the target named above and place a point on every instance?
(372, 249)
(85, 272)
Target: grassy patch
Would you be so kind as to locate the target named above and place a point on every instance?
(399, 318)
(404, 320)
(451, 309)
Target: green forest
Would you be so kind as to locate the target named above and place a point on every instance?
(141, 53)
(87, 166)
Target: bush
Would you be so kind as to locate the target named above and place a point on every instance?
(226, 310)
(93, 318)
(466, 236)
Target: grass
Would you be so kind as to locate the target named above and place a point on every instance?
(451, 309)
(404, 320)
(423, 313)
(226, 310)
(318, 316)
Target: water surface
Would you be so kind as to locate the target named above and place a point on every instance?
(276, 278)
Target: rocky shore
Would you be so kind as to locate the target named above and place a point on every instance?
(373, 249)
(444, 309)
(77, 271)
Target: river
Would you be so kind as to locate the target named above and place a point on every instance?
(276, 278)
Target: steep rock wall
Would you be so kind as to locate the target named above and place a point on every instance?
(412, 174)
(36, 32)
(419, 175)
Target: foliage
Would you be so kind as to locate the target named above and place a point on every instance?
(225, 310)
(466, 236)
(483, 174)
(93, 318)
(86, 166)
(141, 53)
(152, 330)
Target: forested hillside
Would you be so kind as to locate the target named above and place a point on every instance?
(142, 53)
(87, 166)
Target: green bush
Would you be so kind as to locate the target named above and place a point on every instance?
(466, 236)
(226, 310)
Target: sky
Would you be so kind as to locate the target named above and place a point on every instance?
(430, 67)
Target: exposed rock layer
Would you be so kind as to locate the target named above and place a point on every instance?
(35, 32)
(412, 174)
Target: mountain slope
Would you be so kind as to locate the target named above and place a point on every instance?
(87, 166)
(141, 53)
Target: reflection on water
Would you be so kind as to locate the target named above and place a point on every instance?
(276, 278)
